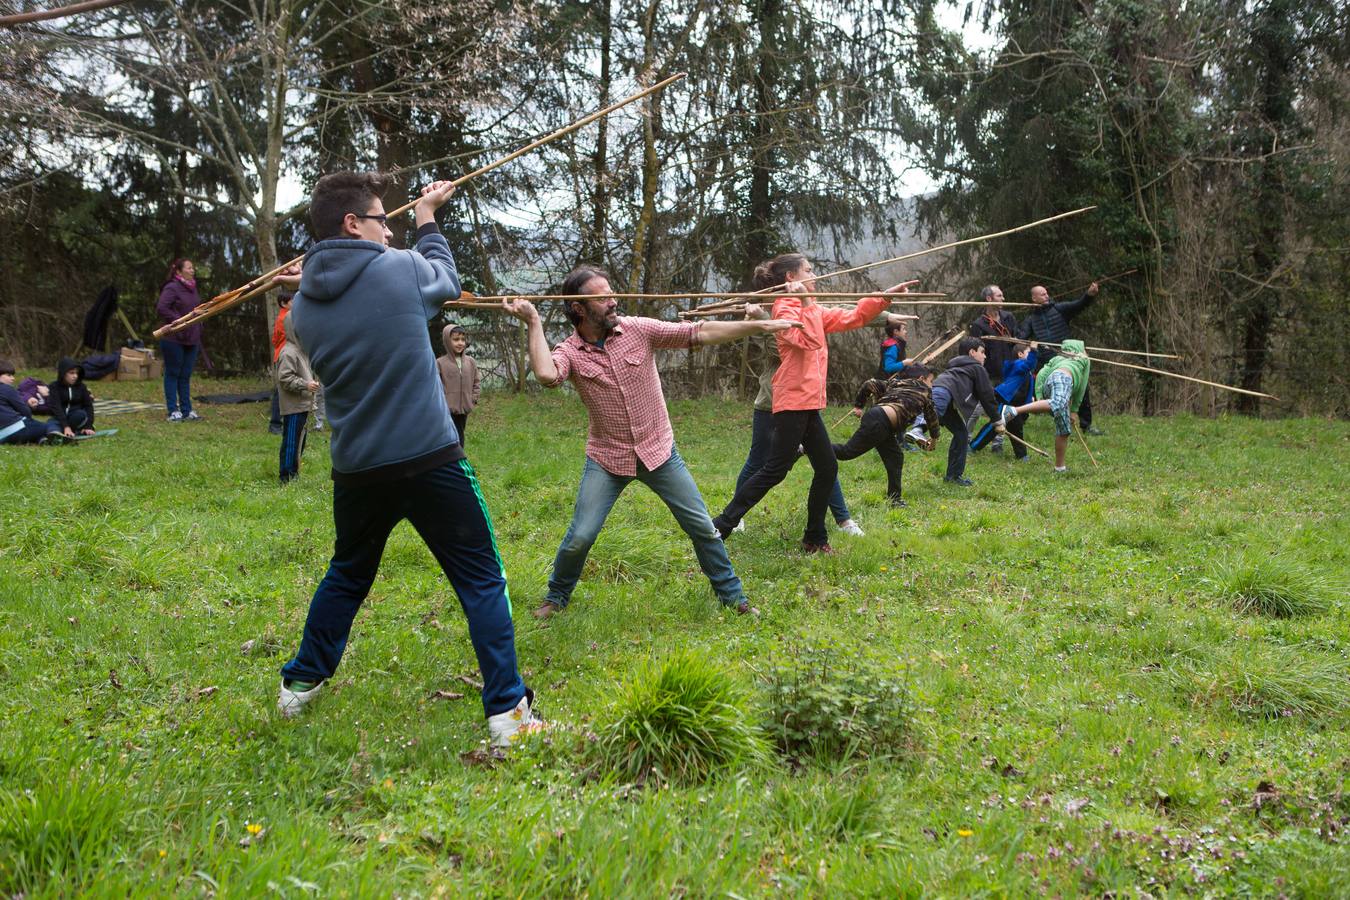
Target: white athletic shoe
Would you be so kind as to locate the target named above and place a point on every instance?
(174, 416)
(1060, 470)
(740, 526)
(505, 727)
(848, 526)
(289, 702)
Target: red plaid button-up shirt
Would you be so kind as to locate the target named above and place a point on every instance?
(620, 386)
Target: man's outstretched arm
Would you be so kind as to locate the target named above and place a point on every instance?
(710, 333)
(541, 358)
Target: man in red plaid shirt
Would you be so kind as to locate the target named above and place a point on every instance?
(611, 361)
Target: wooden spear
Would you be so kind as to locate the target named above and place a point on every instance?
(942, 348)
(59, 12)
(1025, 444)
(941, 337)
(999, 337)
(1214, 384)
(1079, 431)
(734, 298)
(263, 283)
(1097, 281)
(948, 246)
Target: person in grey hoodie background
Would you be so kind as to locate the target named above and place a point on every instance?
(361, 317)
(956, 392)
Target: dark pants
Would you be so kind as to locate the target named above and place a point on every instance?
(447, 508)
(178, 362)
(875, 432)
(78, 419)
(275, 423)
(460, 420)
(791, 429)
(32, 432)
(1014, 425)
(949, 414)
(761, 429)
(1085, 409)
(292, 444)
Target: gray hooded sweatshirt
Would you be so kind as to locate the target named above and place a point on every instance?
(361, 316)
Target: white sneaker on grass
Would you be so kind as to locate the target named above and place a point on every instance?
(174, 416)
(291, 702)
(740, 526)
(848, 526)
(505, 727)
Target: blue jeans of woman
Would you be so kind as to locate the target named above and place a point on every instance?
(178, 362)
(761, 428)
(671, 482)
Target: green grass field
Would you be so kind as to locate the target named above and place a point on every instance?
(1117, 682)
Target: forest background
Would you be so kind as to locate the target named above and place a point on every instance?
(1211, 135)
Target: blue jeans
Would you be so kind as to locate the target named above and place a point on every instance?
(760, 429)
(671, 482)
(178, 362)
(32, 431)
(447, 508)
(292, 444)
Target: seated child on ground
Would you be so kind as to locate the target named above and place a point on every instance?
(17, 426)
(899, 401)
(71, 403)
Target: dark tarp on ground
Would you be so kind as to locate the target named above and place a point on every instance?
(260, 397)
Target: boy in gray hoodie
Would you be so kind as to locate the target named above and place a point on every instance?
(361, 316)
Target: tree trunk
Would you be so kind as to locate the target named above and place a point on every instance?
(265, 226)
(759, 229)
(650, 163)
(593, 247)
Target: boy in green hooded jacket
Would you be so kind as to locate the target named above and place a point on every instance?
(1063, 381)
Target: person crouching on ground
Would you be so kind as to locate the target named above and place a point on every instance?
(799, 393)
(70, 400)
(1064, 381)
(955, 394)
(899, 400)
(296, 392)
(16, 425)
(459, 376)
(395, 451)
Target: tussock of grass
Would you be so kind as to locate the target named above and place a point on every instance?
(830, 809)
(1265, 682)
(57, 832)
(681, 720)
(1270, 585)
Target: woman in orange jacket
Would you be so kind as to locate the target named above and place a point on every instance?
(799, 393)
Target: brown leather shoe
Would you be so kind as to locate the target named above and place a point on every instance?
(745, 609)
(816, 548)
(546, 610)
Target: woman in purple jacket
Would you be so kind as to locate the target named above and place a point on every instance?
(177, 298)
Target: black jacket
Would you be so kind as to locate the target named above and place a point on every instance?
(996, 352)
(66, 397)
(1050, 323)
(968, 383)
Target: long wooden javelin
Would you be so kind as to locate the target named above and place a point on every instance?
(263, 283)
(999, 337)
(1079, 431)
(1031, 447)
(948, 246)
(1214, 384)
(739, 297)
(1097, 281)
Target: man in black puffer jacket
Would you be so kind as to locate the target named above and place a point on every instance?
(1050, 322)
(956, 392)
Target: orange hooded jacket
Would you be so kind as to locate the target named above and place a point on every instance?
(799, 383)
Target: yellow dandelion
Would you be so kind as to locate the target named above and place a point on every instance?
(965, 832)
(253, 828)
(163, 853)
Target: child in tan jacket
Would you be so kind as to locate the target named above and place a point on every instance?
(459, 376)
(296, 390)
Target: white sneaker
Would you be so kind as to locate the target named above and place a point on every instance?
(192, 417)
(174, 416)
(289, 702)
(740, 526)
(1061, 469)
(848, 526)
(505, 727)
